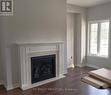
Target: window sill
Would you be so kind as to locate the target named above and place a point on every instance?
(97, 56)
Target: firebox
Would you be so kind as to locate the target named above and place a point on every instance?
(43, 67)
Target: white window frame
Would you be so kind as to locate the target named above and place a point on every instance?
(98, 38)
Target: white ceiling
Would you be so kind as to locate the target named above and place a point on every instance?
(87, 3)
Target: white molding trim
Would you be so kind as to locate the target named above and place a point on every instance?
(93, 66)
(80, 65)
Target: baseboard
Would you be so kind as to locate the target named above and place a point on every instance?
(93, 66)
(89, 65)
(1, 82)
(16, 85)
(70, 66)
(65, 72)
(80, 65)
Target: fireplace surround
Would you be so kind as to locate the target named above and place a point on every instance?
(29, 51)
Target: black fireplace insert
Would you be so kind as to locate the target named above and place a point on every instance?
(43, 67)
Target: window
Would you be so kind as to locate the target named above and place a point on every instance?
(93, 38)
(99, 38)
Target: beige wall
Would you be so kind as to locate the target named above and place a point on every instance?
(80, 34)
(70, 38)
(32, 21)
(99, 12)
(1, 70)
(75, 9)
(2, 64)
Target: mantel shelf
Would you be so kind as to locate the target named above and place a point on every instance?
(39, 43)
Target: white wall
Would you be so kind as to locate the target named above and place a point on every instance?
(32, 21)
(80, 34)
(101, 12)
(70, 38)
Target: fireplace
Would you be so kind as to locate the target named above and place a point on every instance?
(43, 67)
(40, 63)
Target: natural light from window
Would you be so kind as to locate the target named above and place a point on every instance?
(99, 38)
(104, 38)
(93, 41)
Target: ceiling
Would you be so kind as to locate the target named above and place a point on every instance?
(87, 3)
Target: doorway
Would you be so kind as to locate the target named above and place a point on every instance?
(73, 36)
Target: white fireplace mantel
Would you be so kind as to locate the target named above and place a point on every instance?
(28, 50)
